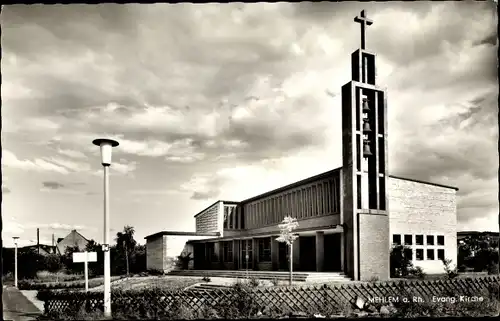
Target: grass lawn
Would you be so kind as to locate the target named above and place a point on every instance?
(149, 282)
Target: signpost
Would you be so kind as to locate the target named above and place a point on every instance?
(85, 257)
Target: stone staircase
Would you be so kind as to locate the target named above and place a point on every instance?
(310, 277)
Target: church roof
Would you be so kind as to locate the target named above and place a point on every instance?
(316, 177)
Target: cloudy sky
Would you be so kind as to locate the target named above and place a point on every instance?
(227, 101)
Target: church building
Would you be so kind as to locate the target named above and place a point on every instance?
(348, 217)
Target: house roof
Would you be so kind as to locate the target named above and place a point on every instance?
(73, 232)
(312, 179)
(179, 233)
(225, 202)
(43, 247)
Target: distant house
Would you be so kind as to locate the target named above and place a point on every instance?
(72, 239)
(42, 248)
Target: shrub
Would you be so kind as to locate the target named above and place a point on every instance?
(183, 260)
(493, 268)
(400, 265)
(239, 303)
(417, 271)
(373, 279)
(206, 278)
(155, 272)
(451, 273)
(52, 263)
(275, 281)
(253, 282)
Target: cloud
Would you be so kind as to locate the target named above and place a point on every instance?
(153, 192)
(11, 227)
(217, 91)
(72, 153)
(123, 167)
(52, 185)
(60, 226)
(10, 160)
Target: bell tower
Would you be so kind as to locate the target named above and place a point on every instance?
(364, 171)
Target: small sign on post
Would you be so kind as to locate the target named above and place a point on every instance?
(85, 257)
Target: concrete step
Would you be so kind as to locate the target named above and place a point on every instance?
(210, 286)
(265, 275)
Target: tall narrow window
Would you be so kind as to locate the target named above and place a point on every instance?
(321, 198)
(440, 240)
(314, 201)
(430, 239)
(419, 239)
(265, 249)
(230, 216)
(237, 213)
(226, 214)
(396, 239)
(408, 239)
(227, 251)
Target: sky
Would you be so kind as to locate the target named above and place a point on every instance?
(226, 101)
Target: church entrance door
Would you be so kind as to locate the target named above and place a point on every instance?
(283, 250)
(332, 252)
(246, 254)
(307, 253)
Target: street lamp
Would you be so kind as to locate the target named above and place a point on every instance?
(15, 238)
(106, 146)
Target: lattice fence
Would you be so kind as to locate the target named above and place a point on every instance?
(161, 303)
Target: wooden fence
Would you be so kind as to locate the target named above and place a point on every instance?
(156, 302)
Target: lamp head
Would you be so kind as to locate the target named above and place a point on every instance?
(15, 238)
(106, 146)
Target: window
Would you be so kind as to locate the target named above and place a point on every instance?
(237, 213)
(265, 249)
(226, 216)
(440, 240)
(408, 239)
(227, 251)
(230, 216)
(396, 239)
(408, 254)
(430, 254)
(430, 239)
(440, 254)
(419, 254)
(419, 239)
(242, 219)
(212, 256)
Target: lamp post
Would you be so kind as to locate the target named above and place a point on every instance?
(15, 238)
(106, 146)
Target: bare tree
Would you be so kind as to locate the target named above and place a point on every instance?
(287, 227)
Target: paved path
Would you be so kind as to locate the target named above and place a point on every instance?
(17, 307)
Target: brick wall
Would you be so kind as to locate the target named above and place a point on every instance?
(165, 248)
(373, 243)
(423, 209)
(155, 253)
(209, 220)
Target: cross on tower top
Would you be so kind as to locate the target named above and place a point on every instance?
(363, 20)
